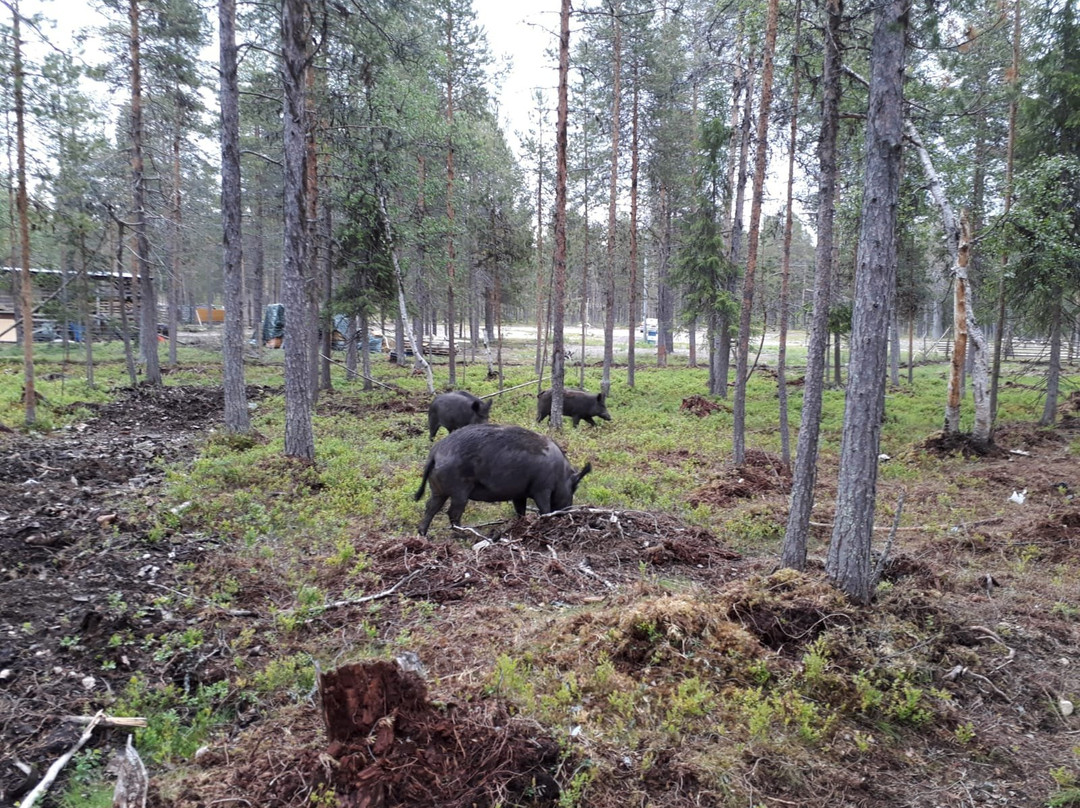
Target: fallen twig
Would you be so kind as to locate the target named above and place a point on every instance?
(361, 375)
(991, 635)
(508, 389)
(59, 763)
(830, 525)
(586, 570)
(106, 720)
(337, 604)
(963, 670)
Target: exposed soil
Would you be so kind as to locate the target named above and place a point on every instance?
(79, 568)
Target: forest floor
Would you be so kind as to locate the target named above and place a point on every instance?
(80, 567)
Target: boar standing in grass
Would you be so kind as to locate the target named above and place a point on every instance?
(455, 410)
(576, 404)
(493, 463)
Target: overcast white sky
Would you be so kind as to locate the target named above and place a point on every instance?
(520, 31)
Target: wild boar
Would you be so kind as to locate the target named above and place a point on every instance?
(495, 463)
(576, 404)
(456, 409)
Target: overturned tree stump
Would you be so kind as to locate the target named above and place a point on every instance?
(392, 747)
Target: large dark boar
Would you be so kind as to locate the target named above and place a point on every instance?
(576, 404)
(493, 463)
(455, 410)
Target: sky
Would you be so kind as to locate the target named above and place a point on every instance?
(519, 32)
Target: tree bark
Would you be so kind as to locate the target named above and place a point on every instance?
(609, 286)
(558, 369)
(299, 435)
(1053, 373)
(451, 258)
(848, 562)
(804, 477)
(148, 342)
(785, 272)
(633, 300)
(26, 294)
(1007, 192)
(237, 417)
(760, 159)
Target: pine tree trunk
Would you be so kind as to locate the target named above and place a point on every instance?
(760, 159)
(848, 562)
(26, 288)
(633, 301)
(804, 476)
(539, 360)
(609, 287)
(237, 418)
(451, 258)
(558, 370)
(299, 435)
(174, 233)
(1007, 191)
(785, 271)
(148, 342)
(1053, 372)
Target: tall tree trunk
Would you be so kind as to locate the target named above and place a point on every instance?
(664, 306)
(804, 477)
(584, 313)
(735, 244)
(630, 353)
(785, 272)
(451, 259)
(258, 265)
(760, 159)
(1007, 192)
(26, 295)
(1053, 372)
(299, 435)
(609, 288)
(558, 304)
(125, 325)
(174, 233)
(318, 325)
(894, 350)
(326, 271)
(960, 333)
(88, 319)
(539, 362)
(237, 418)
(148, 342)
(848, 562)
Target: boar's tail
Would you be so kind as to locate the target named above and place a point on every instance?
(423, 480)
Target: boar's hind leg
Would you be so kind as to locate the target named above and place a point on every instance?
(457, 508)
(519, 505)
(434, 505)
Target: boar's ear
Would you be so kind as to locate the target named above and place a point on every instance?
(600, 397)
(485, 407)
(476, 405)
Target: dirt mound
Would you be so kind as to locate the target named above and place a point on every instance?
(564, 557)
(763, 474)
(1056, 539)
(949, 444)
(787, 609)
(699, 406)
(1027, 437)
